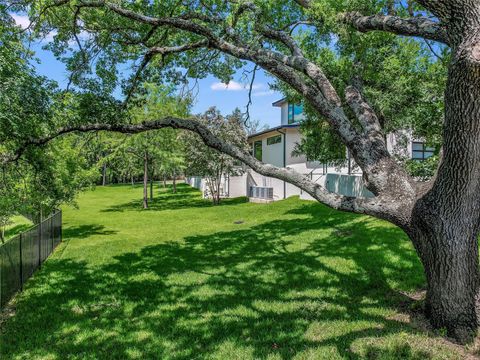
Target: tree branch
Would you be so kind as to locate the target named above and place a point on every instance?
(304, 3)
(304, 76)
(371, 206)
(165, 50)
(363, 111)
(416, 26)
(324, 98)
(162, 50)
(283, 37)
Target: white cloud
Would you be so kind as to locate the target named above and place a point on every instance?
(24, 22)
(21, 20)
(233, 86)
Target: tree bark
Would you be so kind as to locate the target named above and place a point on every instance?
(174, 182)
(151, 188)
(449, 254)
(217, 185)
(391, 7)
(446, 220)
(104, 174)
(145, 180)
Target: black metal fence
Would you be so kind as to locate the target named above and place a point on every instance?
(23, 254)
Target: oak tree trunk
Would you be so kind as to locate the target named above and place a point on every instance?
(217, 185)
(151, 188)
(174, 182)
(449, 254)
(145, 180)
(104, 174)
(446, 220)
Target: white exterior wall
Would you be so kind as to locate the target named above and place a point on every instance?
(399, 144)
(272, 154)
(335, 179)
(226, 187)
(284, 114)
(293, 137)
(237, 186)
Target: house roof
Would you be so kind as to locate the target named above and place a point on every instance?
(274, 129)
(280, 102)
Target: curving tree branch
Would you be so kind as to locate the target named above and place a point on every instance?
(364, 112)
(416, 26)
(303, 75)
(370, 206)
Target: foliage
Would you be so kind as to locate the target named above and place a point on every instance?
(210, 163)
(320, 143)
(31, 106)
(403, 78)
(422, 170)
(151, 155)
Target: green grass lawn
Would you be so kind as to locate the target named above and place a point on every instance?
(187, 280)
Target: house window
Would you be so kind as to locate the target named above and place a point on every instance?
(294, 112)
(257, 150)
(274, 140)
(420, 151)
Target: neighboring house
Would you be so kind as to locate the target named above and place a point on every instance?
(275, 146)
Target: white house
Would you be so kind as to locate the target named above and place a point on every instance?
(275, 146)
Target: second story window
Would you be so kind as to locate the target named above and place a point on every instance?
(420, 151)
(274, 140)
(257, 150)
(294, 113)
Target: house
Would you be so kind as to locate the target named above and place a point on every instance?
(275, 146)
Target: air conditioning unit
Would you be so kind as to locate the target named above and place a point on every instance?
(261, 192)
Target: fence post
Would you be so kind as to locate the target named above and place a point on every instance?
(21, 262)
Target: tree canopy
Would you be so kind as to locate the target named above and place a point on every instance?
(365, 68)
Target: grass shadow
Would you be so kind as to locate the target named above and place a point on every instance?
(247, 293)
(84, 231)
(165, 199)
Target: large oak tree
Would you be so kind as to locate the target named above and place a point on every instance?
(441, 217)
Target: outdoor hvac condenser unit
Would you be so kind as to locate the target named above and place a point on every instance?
(260, 192)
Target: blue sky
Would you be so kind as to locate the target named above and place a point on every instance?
(227, 98)
(211, 92)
